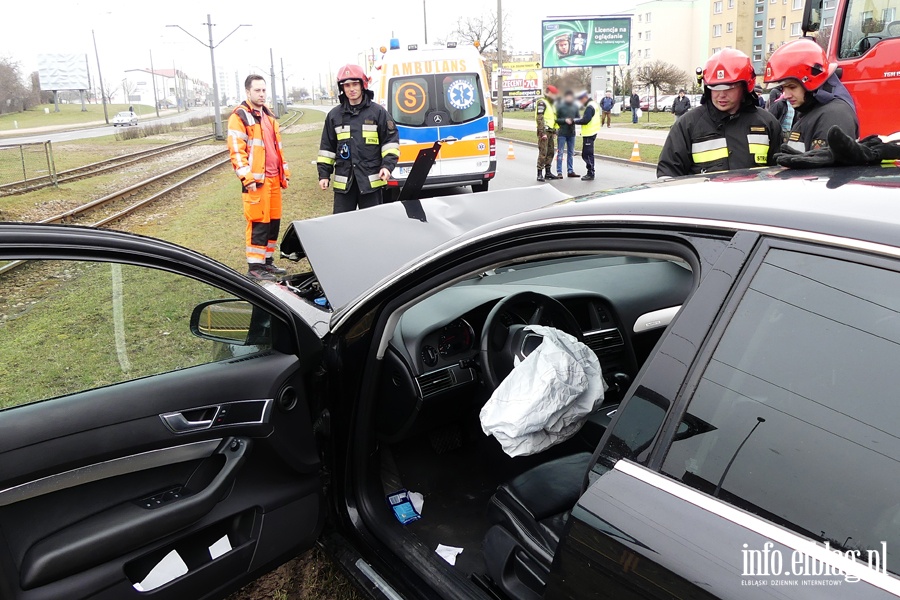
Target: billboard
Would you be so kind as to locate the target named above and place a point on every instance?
(520, 80)
(586, 42)
(63, 72)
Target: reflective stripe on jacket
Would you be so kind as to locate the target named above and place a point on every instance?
(246, 146)
(357, 142)
(545, 115)
(706, 140)
(592, 126)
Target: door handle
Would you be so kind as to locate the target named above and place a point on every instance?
(449, 140)
(183, 421)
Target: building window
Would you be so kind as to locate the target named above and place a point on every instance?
(639, 35)
(887, 15)
(638, 53)
(795, 29)
(640, 18)
(716, 50)
(758, 24)
(757, 58)
(771, 23)
(798, 4)
(757, 48)
(647, 53)
(757, 33)
(760, 9)
(717, 7)
(648, 17)
(828, 21)
(717, 30)
(784, 22)
(828, 4)
(771, 47)
(647, 36)
(729, 27)
(730, 3)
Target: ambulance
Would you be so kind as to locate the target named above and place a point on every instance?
(439, 93)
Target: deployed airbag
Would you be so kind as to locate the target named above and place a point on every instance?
(547, 397)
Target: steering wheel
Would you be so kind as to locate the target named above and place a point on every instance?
(502, 343)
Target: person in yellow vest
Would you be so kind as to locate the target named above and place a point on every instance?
(590, 121)
(545, 119)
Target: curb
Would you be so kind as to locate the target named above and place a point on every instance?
(614, 159)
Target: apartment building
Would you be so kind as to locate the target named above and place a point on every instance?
(671, 30)
(756, 27)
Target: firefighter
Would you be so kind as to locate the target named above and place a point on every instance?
(360, 145)
(254, 143)
(728, 130)
(545, 118)
(591, 121)
(811, 86)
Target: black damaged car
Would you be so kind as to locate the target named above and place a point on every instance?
(186, 430)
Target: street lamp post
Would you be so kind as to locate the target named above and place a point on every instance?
(212, 61)
(153, 79)
(500, 65)
(100, 76)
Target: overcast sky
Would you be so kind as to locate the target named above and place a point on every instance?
(309, 35)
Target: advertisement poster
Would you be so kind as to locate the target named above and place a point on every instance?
(520, 80)
(597, 42)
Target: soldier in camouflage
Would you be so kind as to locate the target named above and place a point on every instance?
(545, 119)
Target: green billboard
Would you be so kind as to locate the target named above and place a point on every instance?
(586, 42)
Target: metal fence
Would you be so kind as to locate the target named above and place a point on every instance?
(24, 164)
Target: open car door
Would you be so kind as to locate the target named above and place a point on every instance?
(156, 432)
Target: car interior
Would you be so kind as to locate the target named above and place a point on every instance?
(445, 356)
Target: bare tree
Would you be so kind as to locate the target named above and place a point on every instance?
(482, 29)
(660, 74)
(13, 94)
(110, 90)
(128, 89)
(570, 79)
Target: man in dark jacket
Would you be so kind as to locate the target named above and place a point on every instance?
(729, 130)
(681, 105)
(360, 145)
(635, 106)
(566, 110)
(606, 105)
(812, 88)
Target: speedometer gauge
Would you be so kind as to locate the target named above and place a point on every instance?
(455, 338)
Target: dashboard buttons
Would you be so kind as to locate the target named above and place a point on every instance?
(429, 356)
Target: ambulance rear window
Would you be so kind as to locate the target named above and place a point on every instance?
(434, 100)
(409, 99)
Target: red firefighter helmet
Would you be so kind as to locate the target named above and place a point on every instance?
(803, 60)
(729, 66)
(352, 73)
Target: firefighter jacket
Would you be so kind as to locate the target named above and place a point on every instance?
(706, 140)
(545, 115)
(247, 149)
(821, 110)
(357, 142)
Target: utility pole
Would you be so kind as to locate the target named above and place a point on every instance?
(425, 20)
(100, 77)
(500, 65)
(283, 86)
(153, 79)
(272, 83)
(212, 61)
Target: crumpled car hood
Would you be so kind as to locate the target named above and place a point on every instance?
(352, 252)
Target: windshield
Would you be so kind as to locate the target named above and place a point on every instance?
(454, 98)
(124, 114)
(866, 23)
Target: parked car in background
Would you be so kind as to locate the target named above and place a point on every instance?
(665, 102)
(125, 118)
(525, 104)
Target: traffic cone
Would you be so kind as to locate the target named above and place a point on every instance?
(511, 155)
(635, 153)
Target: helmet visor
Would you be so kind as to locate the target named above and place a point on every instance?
(722, 87)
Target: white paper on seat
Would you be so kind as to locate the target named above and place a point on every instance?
(448, 553)
(220, 547)
(547, 397)
(171, 567)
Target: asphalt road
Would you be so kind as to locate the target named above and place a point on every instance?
(93, 132)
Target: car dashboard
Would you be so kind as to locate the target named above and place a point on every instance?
(621, 303)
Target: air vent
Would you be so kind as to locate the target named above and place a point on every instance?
(435, 382)
(250, 357)
(603, 341)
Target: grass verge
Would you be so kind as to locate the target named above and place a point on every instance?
(69, 114)
(649, 152)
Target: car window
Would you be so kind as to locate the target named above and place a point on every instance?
(71, 326)
(794, 418)
(409, 99)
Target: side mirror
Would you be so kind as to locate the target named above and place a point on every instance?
(812, 15)
(231, 321)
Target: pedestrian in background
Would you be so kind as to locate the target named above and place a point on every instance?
(606, 105)
(781, 109)
(681, 105)
(545, 120)
(591, 122)
(254, 144)
(360, 145)
(635, 106)
(566, 111)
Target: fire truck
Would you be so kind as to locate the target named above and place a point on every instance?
(864, 41)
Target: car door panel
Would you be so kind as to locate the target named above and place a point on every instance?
(96, 487)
